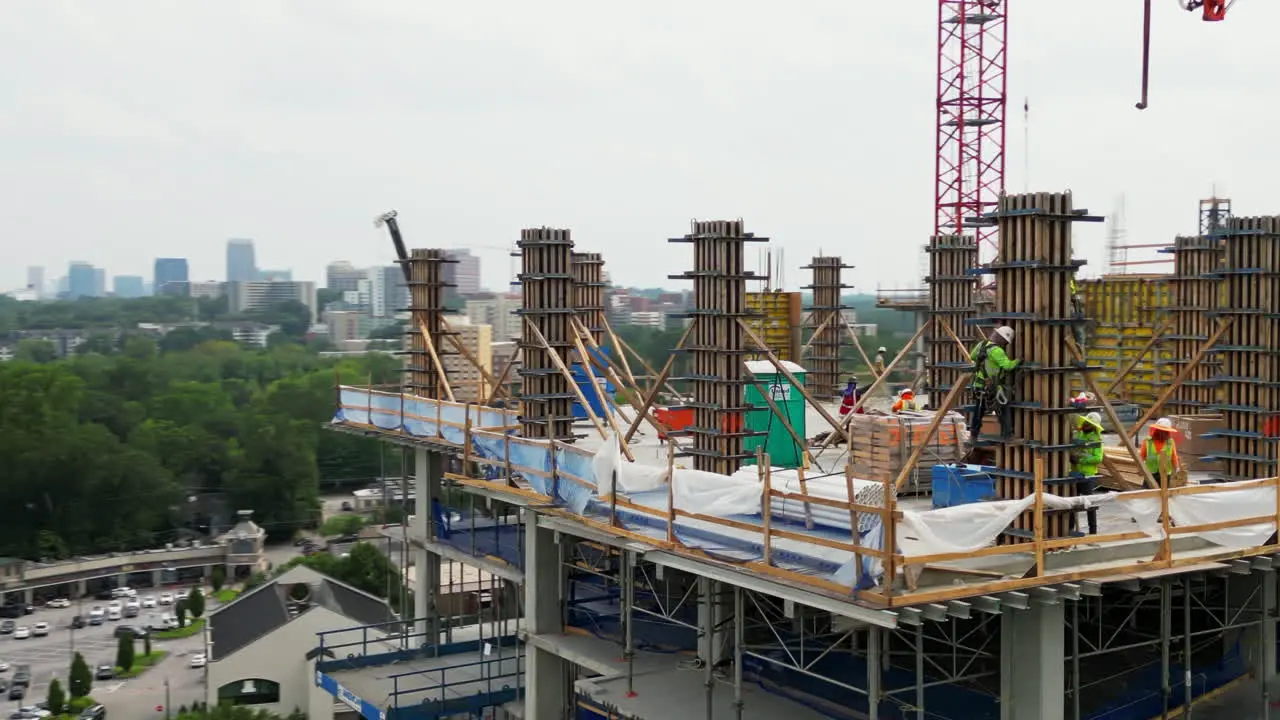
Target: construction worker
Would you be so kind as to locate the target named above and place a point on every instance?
(1160, 452)
(992, 369)
(879, 365)
(906, 401)
(852, 394)
(1086, 458)
(1077, 313)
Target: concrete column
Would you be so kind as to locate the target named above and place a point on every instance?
(1258, 642)
(1032, 678)
(157, 578)
(546, 674)
(82, 588)
(29, 596)
(428, 470)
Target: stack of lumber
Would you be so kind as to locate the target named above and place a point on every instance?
(1130, 476)
(879, 445)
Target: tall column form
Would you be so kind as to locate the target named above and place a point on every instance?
(1194, 288)
(1032, 674)
(546, 280)
(826, 320)
(717, 344)
(426, 307)
(588, 293)
(1250, 348)
(1033, 272)
(952, 285)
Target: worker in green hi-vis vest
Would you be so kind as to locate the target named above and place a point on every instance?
(1086, 458)
(1160, 452)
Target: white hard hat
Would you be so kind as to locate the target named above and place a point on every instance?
(881, 349)
(1165, 424)
(1095, 418)
(1005, 332)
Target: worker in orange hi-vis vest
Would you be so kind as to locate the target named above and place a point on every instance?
(1160, 452)
(906, 401)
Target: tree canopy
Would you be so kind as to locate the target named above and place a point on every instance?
(112, 451)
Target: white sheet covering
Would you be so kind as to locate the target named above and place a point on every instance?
(1205, 508)
(718, 495)
(631, 477)
(966, 528)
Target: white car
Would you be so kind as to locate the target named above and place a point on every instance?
(4, 666)
(32, 711)
(22, 632)
(149, 601)
(166, 598)
(59, 603)
(198, 660)
(41, 629)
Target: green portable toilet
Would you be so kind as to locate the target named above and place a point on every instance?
(782, 449)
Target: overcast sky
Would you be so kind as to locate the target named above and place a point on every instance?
(131, 129)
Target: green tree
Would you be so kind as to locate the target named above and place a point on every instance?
(124, 652)
(218, 578)
(195, 602)
(36, 351)
(180, 611)
(79, 679)
(146, 645)
(342, 525)
(56, 698)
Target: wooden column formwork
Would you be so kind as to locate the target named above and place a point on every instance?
(826, 321)
(717, 345)
(546, 283)
(1250, 350)
(426, 309)
(588, 293)
(952, 288)
(1195, 287)
(1033, 270)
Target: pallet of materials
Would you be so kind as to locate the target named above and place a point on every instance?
(1130, 477)
(879, 445)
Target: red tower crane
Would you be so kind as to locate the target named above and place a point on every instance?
(971, 103)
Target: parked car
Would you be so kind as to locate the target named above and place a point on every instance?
(59, 603)
(77, 622)
(22, 632)
(17, 692)
(105, 672)
(7, 627)
(22, 675)
(97, 616)
(198, 660)
(149, 601)
(130, 630)
(94, 712)
(34, 711)
(4, 666)
(166, 598)
(40, 629)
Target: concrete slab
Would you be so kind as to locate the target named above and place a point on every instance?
(679, 692)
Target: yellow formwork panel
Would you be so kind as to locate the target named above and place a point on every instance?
(1115, 300)
(1125, 311)
(778, 321)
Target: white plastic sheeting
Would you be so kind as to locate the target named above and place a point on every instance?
(865, 492)
(630, 477)
(1206, 508)
(718, 495)
(966, 528)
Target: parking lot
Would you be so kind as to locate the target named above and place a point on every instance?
(50, 656)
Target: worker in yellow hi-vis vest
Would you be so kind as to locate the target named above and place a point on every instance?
(1160, 452)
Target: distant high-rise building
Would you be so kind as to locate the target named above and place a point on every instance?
(82, 280)
(343, 276)
(245, 296)
(466, 272)
(498, 312)
(99, 282)
(35, 280)
(171, 276)
(395, 293)
(241, 265)
(127, 286)
(275, 275)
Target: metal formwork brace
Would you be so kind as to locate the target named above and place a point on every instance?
(718, 344)
(1195, 288)
(952, 290)
(1250, 371)
(588, 294)
(424, 346)
(826, 323)
(546, 283)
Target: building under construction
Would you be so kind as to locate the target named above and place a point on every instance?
(645, 570)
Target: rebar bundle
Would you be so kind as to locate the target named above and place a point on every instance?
(952, 286)
(546, 280)
(426, 299)
(588, 293)
(717, 344)
(1195, 287)
(1033, 272)
(826, 321)
(1250, 349)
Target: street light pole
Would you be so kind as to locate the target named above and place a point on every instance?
(167, 708)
